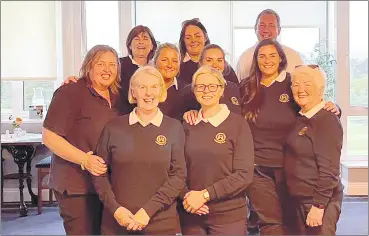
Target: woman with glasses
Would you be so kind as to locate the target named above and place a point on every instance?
(312, 156)
(219, 157)
(268, 106)
(141, 46)
(192, 40)
(214, 56)
(144, 152)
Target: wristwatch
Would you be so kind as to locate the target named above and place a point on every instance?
(206, 195)
(319, 206)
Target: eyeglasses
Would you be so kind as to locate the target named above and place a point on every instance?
(312, 66)
(195, 20)
(211, 87)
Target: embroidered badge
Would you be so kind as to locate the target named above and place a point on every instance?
(220, 138)
(235, 101)
(303, 130)
(161, 140)
(284, 98)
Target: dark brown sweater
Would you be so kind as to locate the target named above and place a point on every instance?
(312, 157)
(225, 169)
(145, 172)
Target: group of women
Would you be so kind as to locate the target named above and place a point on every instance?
(166, 141)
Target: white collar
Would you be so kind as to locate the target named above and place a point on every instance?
(133, 61)
(158, 118)
(188, 58)
(313, 110)
(175, 83)
(280, 78)
(216, 119)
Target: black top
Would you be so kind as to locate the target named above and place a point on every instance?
(188, 100)
(169, 107)
(312, 157)
(220, 159)
(276, 118)
(78, 114)
(189, 68)
(146, 165)
(127, 70)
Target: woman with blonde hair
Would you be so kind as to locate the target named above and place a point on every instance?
(219, 142)
(72, 127)
(144, 152)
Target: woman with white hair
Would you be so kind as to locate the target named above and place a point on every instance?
(312, 156)
(144, 152)
(220, 162)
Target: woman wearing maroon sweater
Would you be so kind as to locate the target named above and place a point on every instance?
(268, 106)
(144, 152)
(220, 161)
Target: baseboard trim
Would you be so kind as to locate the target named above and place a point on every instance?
(355, 188)
(12, 194)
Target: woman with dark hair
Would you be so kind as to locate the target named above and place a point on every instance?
(192, 40)
(141, 46)
(214, 56)
(268, 106)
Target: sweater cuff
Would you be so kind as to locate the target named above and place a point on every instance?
(151, 208)
(320, 200)
(212, 193)
(112, 207)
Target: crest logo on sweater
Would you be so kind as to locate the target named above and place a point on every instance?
(303, 130)
(284, 97)
(161, 140)
(235, 101)
(220, 138)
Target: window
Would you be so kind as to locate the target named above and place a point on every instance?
(29, 87)
(359, 54)
(29, 54)
(6, 96)
(243, 39)
(167, 20)
(357, 129)
(102, 23)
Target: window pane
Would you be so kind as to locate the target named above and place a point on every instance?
(6, 96)
(302, 40)
(243, 39)
(359, 53)
(357, 135)
(165, 18)
(102, 23)
(29, 88)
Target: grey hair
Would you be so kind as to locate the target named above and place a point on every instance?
(268, 11)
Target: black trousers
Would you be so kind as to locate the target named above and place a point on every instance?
(201, 228)
(81, 213)
(268, 195)
(330, 218)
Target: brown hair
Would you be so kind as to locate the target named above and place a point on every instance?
(227, 68)
(90, 60)
(185, 24)
(136, 31)
(251, 98)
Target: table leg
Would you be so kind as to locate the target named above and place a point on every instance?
(34, 197)
(22, 155)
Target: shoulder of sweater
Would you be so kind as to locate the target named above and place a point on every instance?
(119, 120)
(171, 121)
(327, 119)
(73, 88)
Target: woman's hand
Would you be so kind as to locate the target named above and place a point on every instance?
(330, 106)
(315, 217)
(193, 201)
(142, 219)
(204, 210)
(190, 117)
(70, 79)
(124, 217)
(95, 164)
